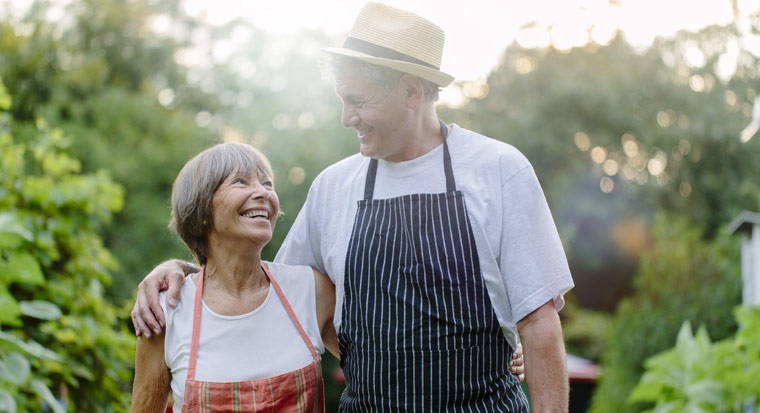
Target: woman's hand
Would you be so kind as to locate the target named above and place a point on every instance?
(517, 364)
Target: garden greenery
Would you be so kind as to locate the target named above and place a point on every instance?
(63, 347)
(698, 375)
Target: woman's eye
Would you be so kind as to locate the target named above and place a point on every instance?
(238, 181)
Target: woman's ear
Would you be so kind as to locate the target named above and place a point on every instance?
(415, 94)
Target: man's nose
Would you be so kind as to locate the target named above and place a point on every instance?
(349, 117)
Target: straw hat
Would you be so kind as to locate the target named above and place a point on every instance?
(397, 39)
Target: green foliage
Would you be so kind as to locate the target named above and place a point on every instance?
(682, 276)
(700, 376)
(62, 344)
(584, 330)
(97, 77)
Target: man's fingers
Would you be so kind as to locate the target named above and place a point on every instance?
(175, 284)
(145, 311)
(141, 329)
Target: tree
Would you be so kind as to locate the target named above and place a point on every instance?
(105, 77)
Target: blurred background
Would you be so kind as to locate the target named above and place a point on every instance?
(637, 116)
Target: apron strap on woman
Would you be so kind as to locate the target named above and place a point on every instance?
(290, 311)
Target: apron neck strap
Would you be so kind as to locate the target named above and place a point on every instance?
(369, 183)
(289, 310)
(197, 319)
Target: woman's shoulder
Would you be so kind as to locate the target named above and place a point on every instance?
(185, 302)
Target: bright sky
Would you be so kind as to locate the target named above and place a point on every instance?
(478, 31)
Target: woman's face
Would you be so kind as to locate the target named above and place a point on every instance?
(245, 208)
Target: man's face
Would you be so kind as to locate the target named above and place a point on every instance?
(379, 116)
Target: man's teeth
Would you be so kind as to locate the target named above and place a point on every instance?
(256, 214)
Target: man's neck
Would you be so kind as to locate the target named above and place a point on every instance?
(424, 136)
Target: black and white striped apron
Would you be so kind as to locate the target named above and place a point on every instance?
(418, 332)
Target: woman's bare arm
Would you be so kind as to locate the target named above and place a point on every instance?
(150, 390)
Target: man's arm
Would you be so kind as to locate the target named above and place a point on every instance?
(545, 360)
(147, 315)
(325, 293)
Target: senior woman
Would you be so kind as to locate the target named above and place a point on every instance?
(246, 335)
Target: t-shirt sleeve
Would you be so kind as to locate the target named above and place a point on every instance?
(301, 245)
(533, 263)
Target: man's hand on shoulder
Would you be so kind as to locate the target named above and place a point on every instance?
(147, 315)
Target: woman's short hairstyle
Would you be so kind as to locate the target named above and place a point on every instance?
(196, 184)
(384, 76)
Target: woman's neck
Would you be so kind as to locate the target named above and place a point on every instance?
(235, 272)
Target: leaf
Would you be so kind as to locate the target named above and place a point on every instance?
(649, 388)
(7, 404)
(17, 368)
(31, 347)
(705, 391)
(22, 267)
(10, 241)
(9, 309)
(41, 389)
(43, 310)
(10, 224)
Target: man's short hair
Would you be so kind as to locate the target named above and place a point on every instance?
(196, 183)
(384, 76)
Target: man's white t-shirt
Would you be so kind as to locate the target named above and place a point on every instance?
(520, 253)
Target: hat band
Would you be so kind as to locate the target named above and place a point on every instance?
(382, 52)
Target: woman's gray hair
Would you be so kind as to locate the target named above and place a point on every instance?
(196, 184)
(384, 76)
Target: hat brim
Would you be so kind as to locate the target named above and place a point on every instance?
(436, 76)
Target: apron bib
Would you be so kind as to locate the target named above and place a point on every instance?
(418, 332)
(297, 391)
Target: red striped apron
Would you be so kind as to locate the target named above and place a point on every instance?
(297, 391)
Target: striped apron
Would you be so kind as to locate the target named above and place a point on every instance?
(297, 391)
(419, 333)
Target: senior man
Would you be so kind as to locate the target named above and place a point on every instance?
(439, 241)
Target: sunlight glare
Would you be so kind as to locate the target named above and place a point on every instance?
(697, 83)
(567, 35)
(630, 147)
(232, 135)
(533, 37)
(611, 167)
(603, 33)
(582, 141)
(727, 61)
(525, 64)
(606, 184)
(598, 154)
(694, 56)
(296, 175)
(684, 189)
(730, 98)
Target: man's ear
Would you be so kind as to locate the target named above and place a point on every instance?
(412, 87)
